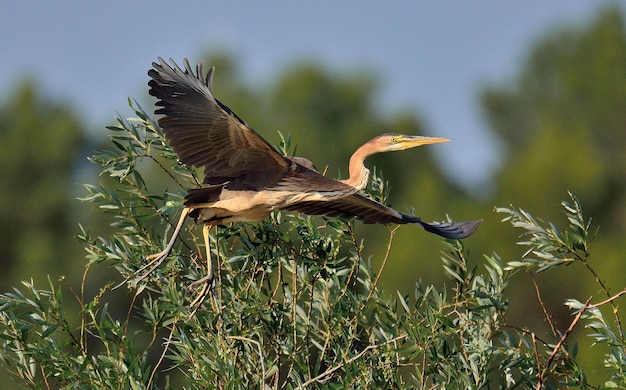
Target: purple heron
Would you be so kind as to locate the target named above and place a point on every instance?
(246, 178)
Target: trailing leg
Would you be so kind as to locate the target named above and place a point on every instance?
(155, 260)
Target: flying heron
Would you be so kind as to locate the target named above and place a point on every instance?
(246, 178)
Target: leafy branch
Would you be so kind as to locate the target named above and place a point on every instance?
(548, 247)
(295, 303)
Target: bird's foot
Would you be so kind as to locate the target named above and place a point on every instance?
(208, 284)
(153, 262)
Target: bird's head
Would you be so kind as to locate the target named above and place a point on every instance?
(390, 142)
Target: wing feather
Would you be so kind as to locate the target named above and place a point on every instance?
(353, 206)
(205, 133)
(370, 211)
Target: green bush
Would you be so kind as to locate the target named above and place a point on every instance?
(294, 305)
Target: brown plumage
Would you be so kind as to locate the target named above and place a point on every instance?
(246, 178)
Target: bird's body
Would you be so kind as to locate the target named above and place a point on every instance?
(239, 201)
(246, 178)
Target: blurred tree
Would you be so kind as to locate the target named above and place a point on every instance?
(569, 96)
(40, 144)
(289, 309)
(560, 122)
(562, 125)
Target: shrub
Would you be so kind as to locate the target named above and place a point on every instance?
(294, 305)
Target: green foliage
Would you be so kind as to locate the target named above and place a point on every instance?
(559, 118)
(299, 301)
(561, 129)
(548, 247)
(295, 304)
(561, 126)
(40, 145)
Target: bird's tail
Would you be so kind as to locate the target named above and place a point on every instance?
(451, 230)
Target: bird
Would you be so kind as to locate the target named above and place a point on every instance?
(246, 178)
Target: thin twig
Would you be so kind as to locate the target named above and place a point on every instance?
(608, 294)
(355, 357)
(536, 351)
(525, 332)
(158, 363)
(611, 299)
(44, 376)
(260, 351)
(423, 370)
(555, 350)
(392, 232)
(543, 306)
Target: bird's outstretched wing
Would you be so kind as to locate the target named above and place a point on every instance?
(370, 211)
(205, 133)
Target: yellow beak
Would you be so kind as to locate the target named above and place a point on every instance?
(411, 141)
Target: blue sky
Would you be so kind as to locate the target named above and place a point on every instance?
(431, 56)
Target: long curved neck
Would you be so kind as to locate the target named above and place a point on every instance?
(359, 175)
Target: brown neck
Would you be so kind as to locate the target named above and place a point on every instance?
(359, 175)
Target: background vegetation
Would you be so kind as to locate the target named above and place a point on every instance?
(559, 122)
